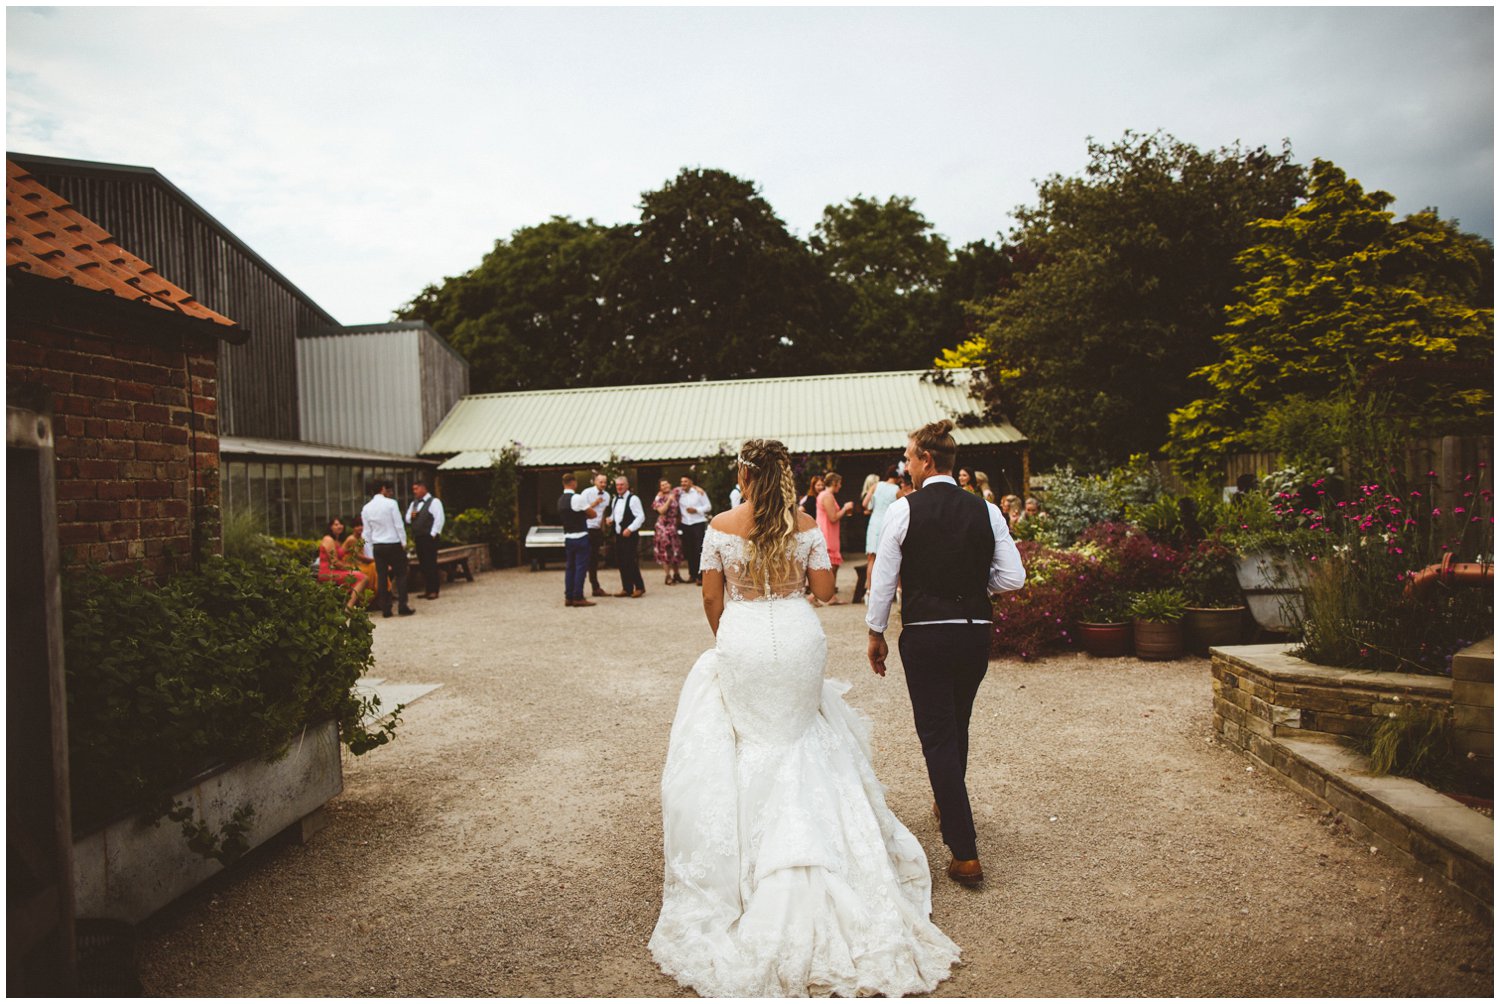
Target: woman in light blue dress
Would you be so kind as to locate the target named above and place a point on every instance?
(877, 502)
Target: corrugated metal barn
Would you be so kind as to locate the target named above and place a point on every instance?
(855, 422)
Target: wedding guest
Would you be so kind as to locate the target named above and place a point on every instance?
(336, 564)
(881, 496)
(626, 516)
(668, 545)
(830, 514)
(809, 502)
(386, 532)
(966, 481)
(1010, 508)
(358, 550)
(572, 512)
(596, 498)
(982, 481)
(425, 517)
(695, 507)
(735, 498)
(1033, 509)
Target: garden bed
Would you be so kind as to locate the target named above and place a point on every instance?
(131, 868)
(1287, 716)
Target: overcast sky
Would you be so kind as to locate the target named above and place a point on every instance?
(365, 152)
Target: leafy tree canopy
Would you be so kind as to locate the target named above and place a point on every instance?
(1338, 300)
(1090, 350)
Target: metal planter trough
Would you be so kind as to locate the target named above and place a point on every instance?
(1272, 584)
(130, 869)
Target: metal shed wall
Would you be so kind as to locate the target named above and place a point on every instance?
(362, 390)
(146, 213)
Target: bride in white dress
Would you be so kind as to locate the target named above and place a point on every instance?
(786, 874)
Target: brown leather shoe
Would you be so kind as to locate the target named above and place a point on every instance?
(599, 592)
(638, 594)
(584, 603)
(937, 814)
(966, 873)
(623, 592)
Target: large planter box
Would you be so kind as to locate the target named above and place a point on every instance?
(1272, 585)
(130, 869)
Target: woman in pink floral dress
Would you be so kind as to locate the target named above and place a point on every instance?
(668, 544)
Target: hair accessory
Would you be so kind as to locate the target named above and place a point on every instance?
(744, 463)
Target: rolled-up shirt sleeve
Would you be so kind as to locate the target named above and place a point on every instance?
(1007, 574)
(887, 570)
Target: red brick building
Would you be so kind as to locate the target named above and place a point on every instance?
(127, 364)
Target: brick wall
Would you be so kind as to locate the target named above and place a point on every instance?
(136, 430)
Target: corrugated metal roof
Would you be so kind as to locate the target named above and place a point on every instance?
(252, 447)
(838, 413)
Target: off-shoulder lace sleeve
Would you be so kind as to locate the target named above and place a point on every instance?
(712, 560)
(817, 551)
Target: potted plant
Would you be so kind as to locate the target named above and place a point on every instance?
(1216, 609)
(1157, 617)
(1104, 625)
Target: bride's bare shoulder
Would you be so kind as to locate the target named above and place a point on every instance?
(805, 522)
(732, 521)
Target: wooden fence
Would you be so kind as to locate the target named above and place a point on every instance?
(1450, 458)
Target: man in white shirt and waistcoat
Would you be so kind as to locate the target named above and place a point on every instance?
(627, 514)
(694, 505)
(596, 499)
(386, 534)
(951, 550)
(425, 517)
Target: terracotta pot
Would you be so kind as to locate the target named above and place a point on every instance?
(1104, 640)
(1157, 640)
(1207, 627)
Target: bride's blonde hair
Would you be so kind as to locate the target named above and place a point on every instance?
(766, 468)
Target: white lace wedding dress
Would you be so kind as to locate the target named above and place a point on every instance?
(786, 874)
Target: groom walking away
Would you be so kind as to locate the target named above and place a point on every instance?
(950, 549)
(573, 511)
(627, 516)
(387, 536)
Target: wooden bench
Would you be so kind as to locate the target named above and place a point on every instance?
(451, 562)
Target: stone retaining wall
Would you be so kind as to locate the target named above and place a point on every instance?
(1261, 690)
(1288, 716)
(1474, 708)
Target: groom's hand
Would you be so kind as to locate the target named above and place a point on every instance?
(877, 651)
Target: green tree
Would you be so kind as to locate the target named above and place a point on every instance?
(1091, 350)
(529, 315)
(713, 286)
(1337, 299)
(890, 267)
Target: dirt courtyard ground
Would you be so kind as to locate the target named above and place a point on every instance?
(508, 843)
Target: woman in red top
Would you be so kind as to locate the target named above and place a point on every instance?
(334, 565)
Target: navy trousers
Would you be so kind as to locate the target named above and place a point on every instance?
(576, 549)
(944, 665)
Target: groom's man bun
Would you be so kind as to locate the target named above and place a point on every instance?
(936, 438)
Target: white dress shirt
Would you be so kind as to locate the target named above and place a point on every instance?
(634, 518)
(383, 524)
(734, 496)
(436, 508)
(590, 495)
(1006, 572)
(698, 499)
(579, 504)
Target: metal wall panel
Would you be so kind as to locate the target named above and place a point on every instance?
(362, 390)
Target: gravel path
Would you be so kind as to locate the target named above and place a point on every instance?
(509, 842)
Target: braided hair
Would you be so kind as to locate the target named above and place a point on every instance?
(772, 493)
